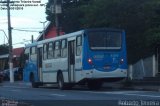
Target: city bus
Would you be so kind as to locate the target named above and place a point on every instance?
(89, 57)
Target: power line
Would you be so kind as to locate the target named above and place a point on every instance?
(26, 30)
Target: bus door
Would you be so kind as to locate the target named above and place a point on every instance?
(39, 61)
(71, 60)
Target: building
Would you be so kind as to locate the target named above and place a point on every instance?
(16, 59)
(50, 31)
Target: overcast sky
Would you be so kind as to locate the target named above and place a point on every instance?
(27, 19)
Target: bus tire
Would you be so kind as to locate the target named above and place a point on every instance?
(60, 81)
(33, 83)
(94, 84)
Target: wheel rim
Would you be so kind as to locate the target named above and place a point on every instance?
(60, 82)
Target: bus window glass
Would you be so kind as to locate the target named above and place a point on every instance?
(45, 51)
(104, 40)
(26, 54)
(33, 50)
(57, 49)
(64, 48)
(50, 50)
(33, 55)
(26, 51)
(78, 45)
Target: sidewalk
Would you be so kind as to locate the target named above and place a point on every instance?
(118, 85)
(18, 84)
(133, 86)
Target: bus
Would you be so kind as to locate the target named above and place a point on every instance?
(90, 57)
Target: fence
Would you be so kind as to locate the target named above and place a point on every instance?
(143, 68)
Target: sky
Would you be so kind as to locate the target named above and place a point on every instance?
(29, 17)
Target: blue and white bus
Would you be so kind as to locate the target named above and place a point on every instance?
(90, 56)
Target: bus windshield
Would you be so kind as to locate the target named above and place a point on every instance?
(103, 40)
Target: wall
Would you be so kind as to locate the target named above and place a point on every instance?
(143, 68)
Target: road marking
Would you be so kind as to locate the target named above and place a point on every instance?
(14, 87)
(15, 90)
(129, 93)
(57, 95)
(113, 92)
(143, 95)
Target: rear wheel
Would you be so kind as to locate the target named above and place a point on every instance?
(94, 84)
(60, 81)
(33, 83)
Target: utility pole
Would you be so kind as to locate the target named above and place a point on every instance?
(43, 28)
(9, 39)
(10, 44)
(57, 11)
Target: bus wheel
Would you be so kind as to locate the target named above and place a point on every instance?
(60, 81)
(33, 83)
(94, 84)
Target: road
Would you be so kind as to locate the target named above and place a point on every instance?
(51, 96)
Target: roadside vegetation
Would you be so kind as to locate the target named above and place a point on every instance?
(139, 18)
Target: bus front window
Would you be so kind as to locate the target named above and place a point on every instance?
(103, 40)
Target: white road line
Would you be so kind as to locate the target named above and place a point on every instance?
(14, 87)
(143, 95)
(15, 90)
(128, 93)
(114, 92)
(131, 94)
(57, 95)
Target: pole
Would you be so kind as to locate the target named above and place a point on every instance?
(43, 29)
(10, 43)
(56, 18)
(57, 24)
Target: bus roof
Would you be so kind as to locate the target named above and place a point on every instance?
(55, 38)
(71, 35)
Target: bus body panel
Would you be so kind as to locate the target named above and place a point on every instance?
(105, 63)
(90, 63)
(52, 67)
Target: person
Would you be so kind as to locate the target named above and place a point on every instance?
(20, 73)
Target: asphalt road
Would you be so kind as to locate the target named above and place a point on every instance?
(27, 96)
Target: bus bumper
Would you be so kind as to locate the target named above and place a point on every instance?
(95, 74)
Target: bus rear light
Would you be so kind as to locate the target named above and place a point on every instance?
(121, 61)
(90, 61)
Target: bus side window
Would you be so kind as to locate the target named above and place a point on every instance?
(26, 53)
(57, 49)
(26, 56)
(33, 50)
(78, 45)
(45, 51)
(33, 53)
(64, 48)
(50, 50)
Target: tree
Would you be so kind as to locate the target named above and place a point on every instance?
(139, 18)
(69, 20)
(4, 49)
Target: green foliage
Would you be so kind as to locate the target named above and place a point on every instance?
(139, 18)
(4, 49)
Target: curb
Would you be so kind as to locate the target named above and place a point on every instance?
(15, 84)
